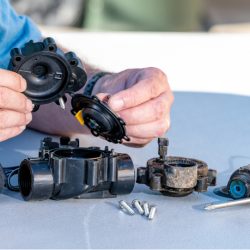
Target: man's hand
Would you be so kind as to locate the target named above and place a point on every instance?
(15, 108)
(142, 97)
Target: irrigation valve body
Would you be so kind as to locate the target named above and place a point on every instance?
(67, 171)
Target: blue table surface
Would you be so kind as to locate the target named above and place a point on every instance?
(211, 127)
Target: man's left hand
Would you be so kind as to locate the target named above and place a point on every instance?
(142, 98)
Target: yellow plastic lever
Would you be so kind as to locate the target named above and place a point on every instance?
(79, 117)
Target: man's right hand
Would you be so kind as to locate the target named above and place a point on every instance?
(15, 107)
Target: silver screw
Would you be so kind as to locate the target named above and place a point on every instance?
(227, 204)
(146, 208)
(152, 213)
(137, 205)
(125, 207)
(62, 103)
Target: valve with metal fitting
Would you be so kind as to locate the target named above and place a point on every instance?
(175, 176)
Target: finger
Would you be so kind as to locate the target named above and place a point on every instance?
(10, 99)
(10, 119)
(155, 109)
(137, 142)
(141, 92)
(12, 80)
(10, 132)
(149, 130)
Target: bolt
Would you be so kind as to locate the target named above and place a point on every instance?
(62, 103)
(146, 208)
(136, 204)
(152, 213)
(125, 207)
(163, 148)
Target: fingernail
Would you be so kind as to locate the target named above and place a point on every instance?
(29, 105)
(106, 98)
(116, 104)
(22, 128)
(28, 118)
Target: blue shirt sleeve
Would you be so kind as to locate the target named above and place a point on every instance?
(15, 31)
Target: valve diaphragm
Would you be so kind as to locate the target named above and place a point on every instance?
(49, 72)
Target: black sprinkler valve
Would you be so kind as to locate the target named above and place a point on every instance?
(175, 176)
(66, 170)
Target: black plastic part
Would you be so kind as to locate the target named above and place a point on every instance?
(99, 118)
(65, 171)
(175, 176)
(50, 73)
(238, 186)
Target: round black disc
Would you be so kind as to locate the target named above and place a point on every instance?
(46, 76)
(99, 118)
(50, 73)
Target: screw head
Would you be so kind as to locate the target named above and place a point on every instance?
(121, 203)
(135, 201)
